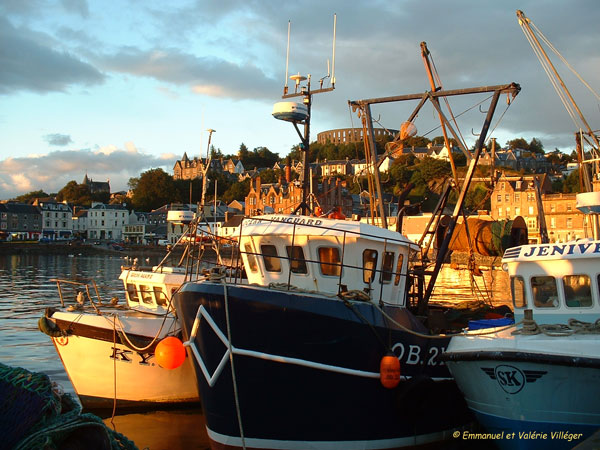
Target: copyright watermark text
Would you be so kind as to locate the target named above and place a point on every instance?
(521, 435)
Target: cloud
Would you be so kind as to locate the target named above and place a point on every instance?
(79, 7)
(29, 64)
(205, 75)
(51, 172)
(58, 139)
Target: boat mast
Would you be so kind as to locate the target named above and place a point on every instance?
(566, 98)
(306, 93)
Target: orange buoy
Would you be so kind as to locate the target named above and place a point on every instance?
(389, 371)
(170, 353)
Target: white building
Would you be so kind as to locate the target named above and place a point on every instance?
(57, 220)
(107, 221)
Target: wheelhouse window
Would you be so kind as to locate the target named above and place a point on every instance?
(329, 261)
(252, 263)
(545, 294)
(146, 294)
(296, 259)
(369, 265)
(160, 296)
(517, 290)
(387, 266)
(398, 276)
(270, 257)
(132, 293)
(578, 290)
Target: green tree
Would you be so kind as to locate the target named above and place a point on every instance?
(432, 168)
(74, 192)
(536, 146)
(243, 153)
(236, 191)
(571, 183)
(517, 143)
(26, 198)
(153, 189)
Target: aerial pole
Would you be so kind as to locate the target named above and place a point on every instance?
(300, 114)
(206, 167)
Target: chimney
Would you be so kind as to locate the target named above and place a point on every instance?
(288, 172)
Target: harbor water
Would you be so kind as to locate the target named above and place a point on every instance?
(27, 289)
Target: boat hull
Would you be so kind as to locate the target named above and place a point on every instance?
(549, 400)
(104, 369)
(306, 372)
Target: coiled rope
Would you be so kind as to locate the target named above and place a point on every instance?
(573, 326)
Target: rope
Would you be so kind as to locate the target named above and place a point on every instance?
(574, 326)
(363, 296)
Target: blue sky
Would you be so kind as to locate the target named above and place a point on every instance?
(114, 88)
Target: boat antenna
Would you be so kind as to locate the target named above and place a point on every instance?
(287, 59)
(304, 91)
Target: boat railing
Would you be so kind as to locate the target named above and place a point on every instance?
(81, 292)
(374, 274)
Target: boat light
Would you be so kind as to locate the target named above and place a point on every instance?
(389, 371)
(170, 353)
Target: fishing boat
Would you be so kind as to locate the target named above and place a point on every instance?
(291, 359)
(108, 347)
(540, 379)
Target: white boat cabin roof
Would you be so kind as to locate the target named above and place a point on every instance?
(325, 256)
(279, 224)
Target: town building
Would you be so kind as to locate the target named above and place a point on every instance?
(20, 221)
(349, 135)
(188, 169)
(517, 196)
(96, 187)
(106, 221)
(57, 219)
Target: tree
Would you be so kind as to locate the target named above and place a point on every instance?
(536, 146)
(571, 183)
(517, 143)
(26, 198)
(243, 153)
(74, 192)
(432, 169)
(416, 141)
(237, 191)
(154, 188)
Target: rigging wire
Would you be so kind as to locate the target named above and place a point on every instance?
(565, 62)
(439, 82)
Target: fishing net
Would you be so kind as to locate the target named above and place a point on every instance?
(36, 414)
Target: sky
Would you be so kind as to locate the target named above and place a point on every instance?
(112, 89)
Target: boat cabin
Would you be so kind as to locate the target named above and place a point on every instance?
(325, 256)
(557, 281)
(152, 289)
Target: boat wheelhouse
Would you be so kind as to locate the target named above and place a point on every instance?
(326, 256)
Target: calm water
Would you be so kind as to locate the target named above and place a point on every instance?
(26, 289)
